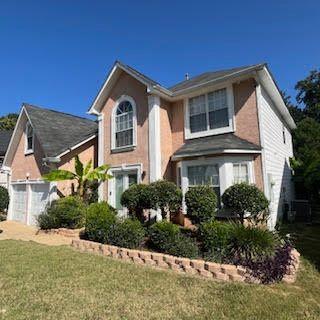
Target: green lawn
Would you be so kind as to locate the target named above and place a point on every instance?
(41, 282)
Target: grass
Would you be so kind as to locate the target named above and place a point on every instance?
(41, 282)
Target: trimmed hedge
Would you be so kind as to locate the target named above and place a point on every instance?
(68, 212)
(100, 218)
(201, 203)
(127, 233)
(4, 199)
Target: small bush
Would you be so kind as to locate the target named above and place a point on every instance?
(68, 212)
(215, 237)
(166, 237)
(243, 198)
(251, 243)
(127, 234)
(137, 198)
(4, 199)
(201, 203)
(99, 219)
(168, 197)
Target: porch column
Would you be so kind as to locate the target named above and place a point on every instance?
(154, 138)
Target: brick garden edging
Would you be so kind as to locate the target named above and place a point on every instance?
(209, 270)
(71, 233)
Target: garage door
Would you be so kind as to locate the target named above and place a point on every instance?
(28, 201)
(19, 202)
(39, 200)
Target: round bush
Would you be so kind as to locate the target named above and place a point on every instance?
(251, 243)
(4, 199)
(68, 212)
(127, 234)
(243, 198)
(99, 219)
(166, 237)
(168, 197)
(216, 238)
(201, 203)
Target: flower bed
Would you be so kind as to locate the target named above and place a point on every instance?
(209, 270)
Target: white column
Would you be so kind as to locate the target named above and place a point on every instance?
(154, 138)
(101, 152)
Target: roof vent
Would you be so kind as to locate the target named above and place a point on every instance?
(186, 76)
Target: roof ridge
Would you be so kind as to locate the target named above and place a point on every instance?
(25, 104)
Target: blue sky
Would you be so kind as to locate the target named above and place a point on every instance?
(57, 53)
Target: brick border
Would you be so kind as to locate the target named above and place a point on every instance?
(209, 270)
(70, 233)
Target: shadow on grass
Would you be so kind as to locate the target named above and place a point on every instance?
(306, 239)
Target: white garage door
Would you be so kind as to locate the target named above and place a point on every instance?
(28, 201)
(19, 202)
(39, 200)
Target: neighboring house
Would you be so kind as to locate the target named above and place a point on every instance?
(5, 137)
(217, 128)
(44, 139)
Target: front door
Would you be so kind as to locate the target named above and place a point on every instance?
(122, 181)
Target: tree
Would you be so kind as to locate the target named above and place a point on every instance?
(84, 175)
(296, 112)
(309, 94)
(8, 121)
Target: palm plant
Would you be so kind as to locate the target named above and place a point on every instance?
(84, 175)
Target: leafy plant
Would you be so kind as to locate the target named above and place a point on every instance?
(4, 199)
(201, 203)
(100, 217)
(243, 199)
(83, 175)
(66, 212)
(126, 233)
(168, 197)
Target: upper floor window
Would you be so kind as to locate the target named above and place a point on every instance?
(29, 138)
(124, 124)
(210, 113)
(284, 135)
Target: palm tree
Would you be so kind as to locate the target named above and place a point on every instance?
(84, 175)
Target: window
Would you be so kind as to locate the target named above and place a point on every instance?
(205, 175)
(124, 124)
(240, 173)
(284, 135)
(29, 138)
(209, 112)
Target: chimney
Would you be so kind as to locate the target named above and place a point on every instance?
(187, 76)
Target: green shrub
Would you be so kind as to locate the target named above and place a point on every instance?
(68, 212)
(216, 238)
(166, 237)
(168, 197)
(251, 243)
(4, 199)
(201, 203)
(243, 198)
(127, 233)
(99, 219)
(139, 197)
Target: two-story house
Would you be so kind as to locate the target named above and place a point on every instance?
(217, 128)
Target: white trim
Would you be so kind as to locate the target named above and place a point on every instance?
(154, 138)
(76, 146)
(121, 168)
(210, 132)
(113, 123)
(101, 152)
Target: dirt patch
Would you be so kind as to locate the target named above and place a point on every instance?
(17, 231)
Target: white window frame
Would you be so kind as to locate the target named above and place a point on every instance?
(113, 124)
(26, 150)
(209, 132)
(249, 167)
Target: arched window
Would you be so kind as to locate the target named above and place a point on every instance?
(29, 138)
(124, 123)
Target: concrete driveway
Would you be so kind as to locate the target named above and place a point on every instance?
(12, 230)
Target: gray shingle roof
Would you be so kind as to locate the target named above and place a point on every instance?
(5, 137)
(214, 145)
(210, 76)
(58, 131)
